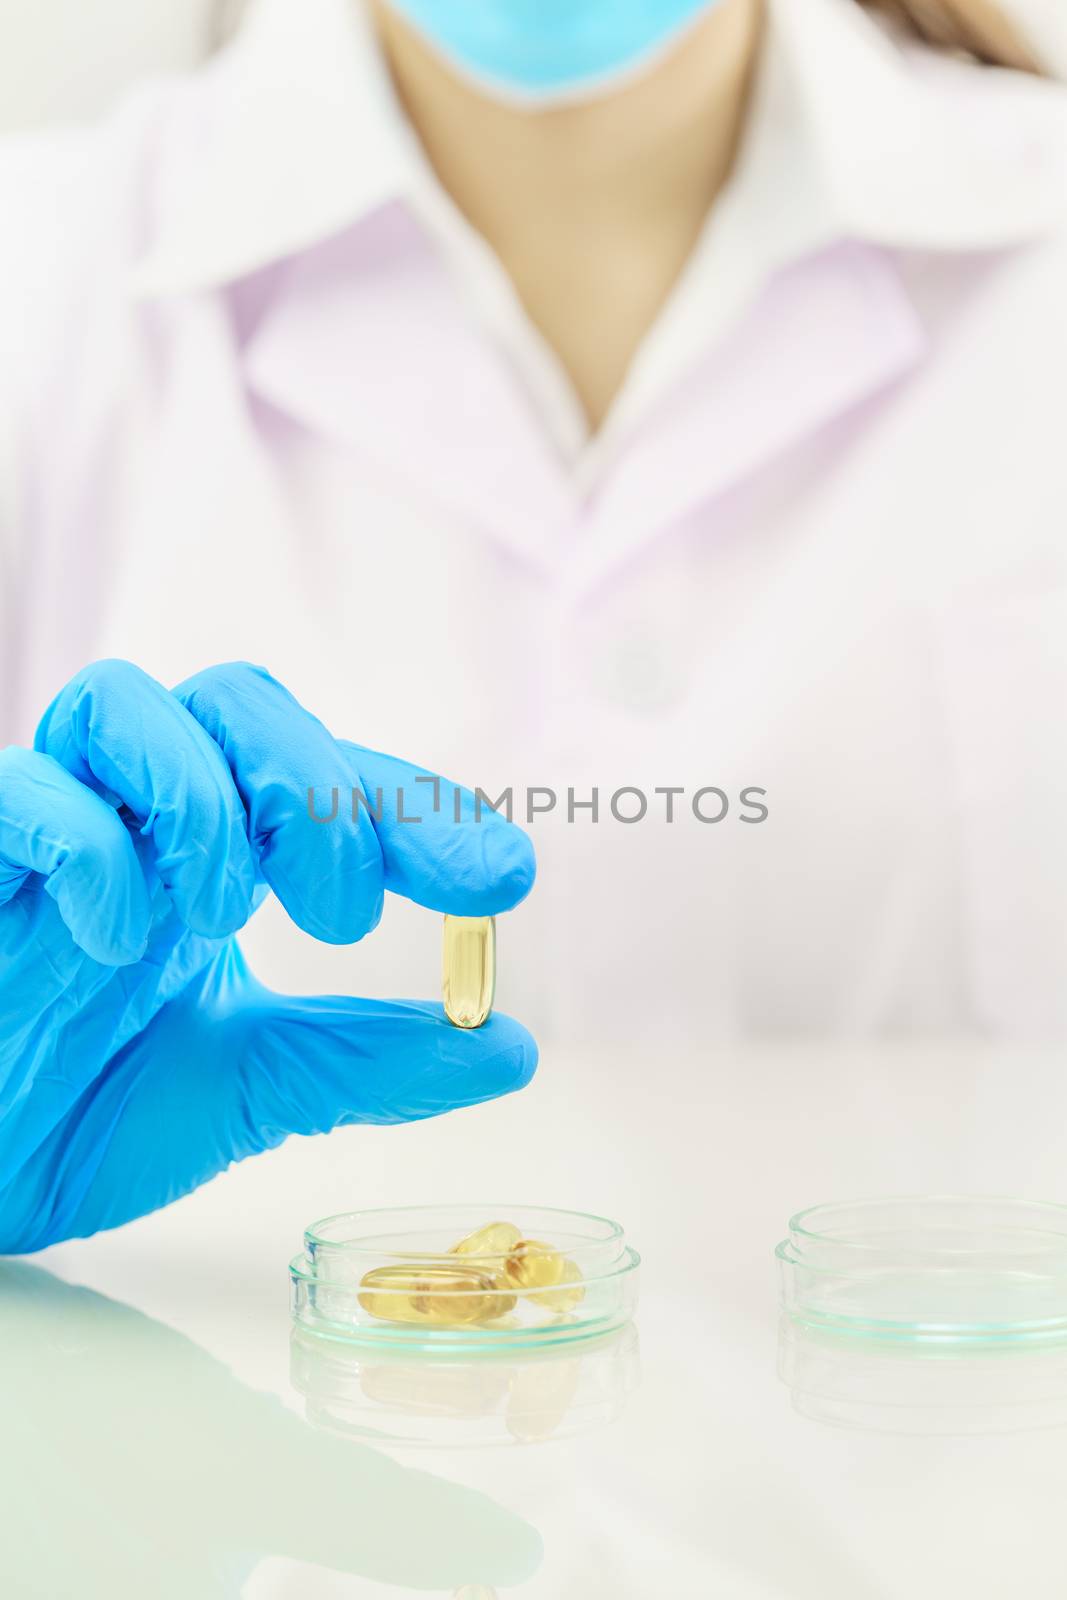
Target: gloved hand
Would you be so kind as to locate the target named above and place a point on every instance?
(138, 1054)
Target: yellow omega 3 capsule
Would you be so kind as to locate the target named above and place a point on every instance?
(568, 1293)
(542, 1274)
(469, 969)
(495, 1241)
(446, 1295)
(533, 1264)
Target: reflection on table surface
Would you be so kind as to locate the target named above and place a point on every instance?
(502, 1397)
(134, 1463)
(884, 1387)
(710, 1474)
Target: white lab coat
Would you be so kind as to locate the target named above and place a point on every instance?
(264, 396)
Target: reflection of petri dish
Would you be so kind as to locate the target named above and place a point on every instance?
(327, 1278)
(922, 1389)
(386, 1395)
(940, 1270)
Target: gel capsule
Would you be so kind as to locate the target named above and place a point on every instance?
(469, 969)
(544, 1275)
(444, 1294)
(568, 1293)
(496, 1240)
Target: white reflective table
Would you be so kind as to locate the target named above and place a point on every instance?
(164, 1434)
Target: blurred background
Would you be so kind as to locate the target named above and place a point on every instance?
(64, 59)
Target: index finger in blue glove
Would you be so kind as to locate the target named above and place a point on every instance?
(120, 733)
(53, 825)
(393, 825)
(444, 847)
(328, 876)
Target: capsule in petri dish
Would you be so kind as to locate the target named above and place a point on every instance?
(469, 969)
(495, 1241)
(568, 1293)
(543, 1274)
(446, 1295)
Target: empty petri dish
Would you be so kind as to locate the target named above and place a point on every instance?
(464, 1278)
(946, 1270)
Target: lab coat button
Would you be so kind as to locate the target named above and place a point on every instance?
(642, 675)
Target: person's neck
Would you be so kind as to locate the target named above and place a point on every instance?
(593, 207)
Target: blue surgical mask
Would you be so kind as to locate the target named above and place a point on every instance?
(544, 50)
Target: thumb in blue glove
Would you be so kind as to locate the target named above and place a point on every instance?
(138, 1055)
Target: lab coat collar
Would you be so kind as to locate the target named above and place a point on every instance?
(288, 137)
(852, 139)
(293, 135)
(902, 147)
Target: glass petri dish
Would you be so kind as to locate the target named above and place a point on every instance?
(329, 1291)
(946, 1270)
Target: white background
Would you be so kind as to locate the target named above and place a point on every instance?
(62, 59)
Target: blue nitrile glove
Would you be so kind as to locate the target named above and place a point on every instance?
(138, 1055)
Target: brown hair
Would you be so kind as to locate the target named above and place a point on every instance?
(977, 28)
